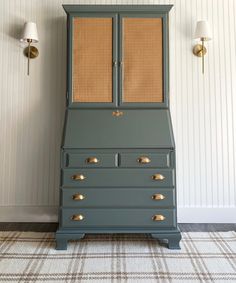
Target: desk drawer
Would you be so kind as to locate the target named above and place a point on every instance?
(118, 177)
(143, 160)
(92, 159)
(130, 218)
(121, 197)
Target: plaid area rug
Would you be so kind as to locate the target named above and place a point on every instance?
(31, 257)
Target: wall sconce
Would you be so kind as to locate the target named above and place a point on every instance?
(203, 33)
(29, 35)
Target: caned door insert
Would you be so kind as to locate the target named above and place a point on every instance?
(142, 66)
(92, 59)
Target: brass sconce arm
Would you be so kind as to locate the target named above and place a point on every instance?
(30, 52)
(200, 51)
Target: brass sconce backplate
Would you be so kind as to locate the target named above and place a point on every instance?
(33, 52)
(199, 51)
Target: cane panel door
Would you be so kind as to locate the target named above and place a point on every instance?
(117, 61)
(93, 62)
(141, 56)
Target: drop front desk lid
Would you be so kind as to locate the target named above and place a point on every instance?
(134, 129)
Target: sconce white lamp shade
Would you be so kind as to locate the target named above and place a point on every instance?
(30, 32)
(203, 30)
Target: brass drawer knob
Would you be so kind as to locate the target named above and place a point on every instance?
(92, 160)
(77, 217)
(143, 160)
(158, 197)
(78, 197)
(158, 177)
(117, 113)
(78, 177)
(158, 217)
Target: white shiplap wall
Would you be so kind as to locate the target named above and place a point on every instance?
(32, 110)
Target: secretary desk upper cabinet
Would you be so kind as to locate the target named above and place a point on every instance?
(118, 151)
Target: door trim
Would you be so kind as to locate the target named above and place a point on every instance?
(70, 102)
(165, 103)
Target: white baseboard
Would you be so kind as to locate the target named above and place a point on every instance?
(206, 215)
(28, 214)
(50, 214)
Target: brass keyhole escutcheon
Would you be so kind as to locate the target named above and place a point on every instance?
(117, 113)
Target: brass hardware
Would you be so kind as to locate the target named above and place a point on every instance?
(117, 113)
(78, 197)
(158, 217)
(158, 177)
(92, 160)
(158, 197)
(78, 177)
(33, 52)
(144, 160)
(77, 217)
(200, 51)
(30, 52)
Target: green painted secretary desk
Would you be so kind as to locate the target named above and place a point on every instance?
(118, 151)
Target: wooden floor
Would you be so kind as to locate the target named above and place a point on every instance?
(51, 227)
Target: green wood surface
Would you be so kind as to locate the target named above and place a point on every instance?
(70, 9)
(117, 177)
(80, 159)
(117, 217)
(118, 190)
(135, 129)
(156, 160)
(110, 197)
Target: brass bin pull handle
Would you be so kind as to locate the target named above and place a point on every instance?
(158, 177)
(158, 217)
(78, 177)
(117, 113)
(77, 217)
(92, 160)
(158, 197)
(143, 160)
(78, 197)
